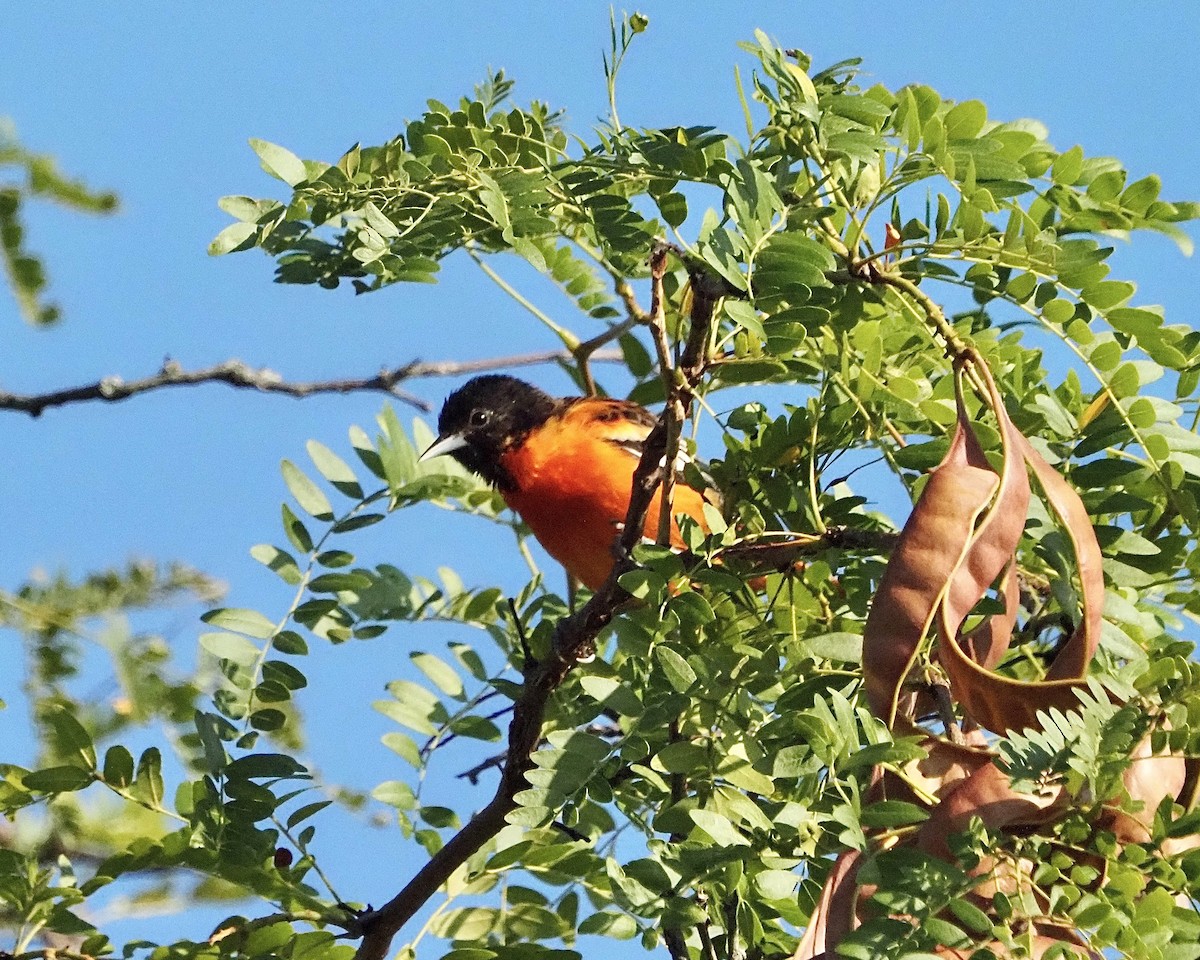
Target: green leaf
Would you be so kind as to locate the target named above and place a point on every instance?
(280, 162)
(209, 727)
(268, 720)
(443, 676)
(413, 706)
(1068, 166)
(118, 766)
(970, 915)
(290, 642)
(439, 817)
(776, 884)
(247, 208)
(148, 782)
(678, 671)
(613, 694)
(645, 585)
(736, 769)
(965, 120)
(308, 810)
(310, 497)
(236, 236)
(746, 316)
(63, 779)
(395, 793)
(282, 562)
(65, 923)
(354, 583)
(467, 923)
(357, 522)
(405, 746)
(673, 207)
(842, 647)
(1140, 194)
(788, 268)
(72, 738)
(284, 674)
(886, 814)
(251, 623)
(792, 761)
(296, 532)
(719, 828)
(1107, 293)
(682, 756)
(334, 469)
(616, 926)
(477, 728)
(266, 766)
(230, 646)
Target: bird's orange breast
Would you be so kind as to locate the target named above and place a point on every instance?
(572, 487)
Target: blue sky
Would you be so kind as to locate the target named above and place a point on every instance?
(156, 101)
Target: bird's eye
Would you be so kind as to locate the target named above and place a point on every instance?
(479, 418)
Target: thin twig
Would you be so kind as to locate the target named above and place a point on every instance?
(945, 709)
(780, 552)
(235, 373)
(734, 950)
(590, 350)
(240, 925)
(437, 741)
(634, 315)
(624, 290)
(708, 950)
(473, 774)
(569, 340)
(656, 320)
(955, 347)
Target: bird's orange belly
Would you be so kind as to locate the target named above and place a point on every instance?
(577, 527)
(576, 505)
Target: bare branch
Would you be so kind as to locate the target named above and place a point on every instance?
(235, 373)
(707, 947)
(590, 350)
(479, 768)
(634, 315)
(676, 944)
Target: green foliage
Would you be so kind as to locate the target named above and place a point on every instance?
(38, 178)
(721, 725)
(696, 781)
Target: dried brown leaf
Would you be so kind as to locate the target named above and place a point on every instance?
(835, 913)
(931, 547)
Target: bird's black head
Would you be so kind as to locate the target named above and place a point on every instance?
(485, 417)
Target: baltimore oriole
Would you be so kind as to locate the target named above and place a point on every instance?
(565, 465)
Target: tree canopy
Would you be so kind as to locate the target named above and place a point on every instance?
(960, 729)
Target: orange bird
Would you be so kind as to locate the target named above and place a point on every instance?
(565, 465)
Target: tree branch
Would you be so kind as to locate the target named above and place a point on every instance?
(235, 373)
(782, 552)
(572, 635)
(675, 942)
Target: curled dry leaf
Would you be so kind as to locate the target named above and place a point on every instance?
(836, 912)
(961, 537)
(959, 542)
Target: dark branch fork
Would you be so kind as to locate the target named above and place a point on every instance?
(572, 635)
(235, 373)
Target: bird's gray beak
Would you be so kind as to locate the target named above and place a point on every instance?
(442, 446)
